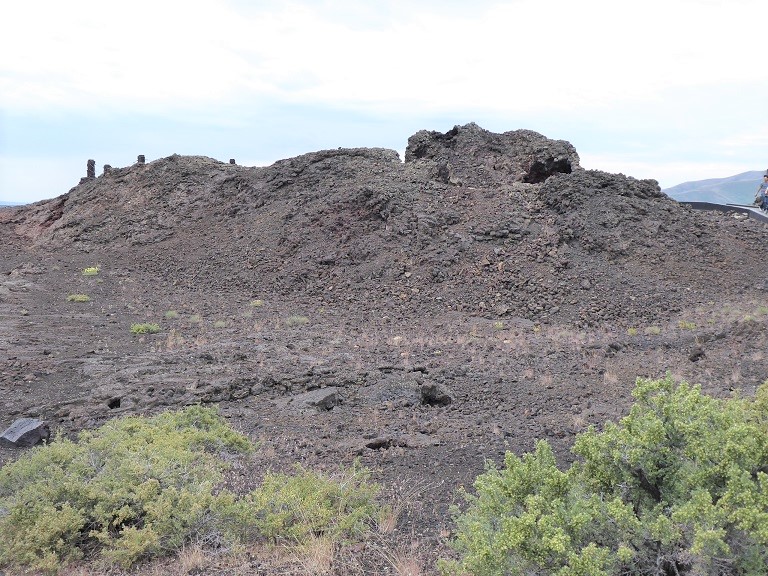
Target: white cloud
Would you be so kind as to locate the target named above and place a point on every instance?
(102, 56)
(507, 56)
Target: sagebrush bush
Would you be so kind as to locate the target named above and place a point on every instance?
(296, 320)
(145, 328)
(132, 488)
(679, 486)
(78, 298)
(296, 508)
(142, 487)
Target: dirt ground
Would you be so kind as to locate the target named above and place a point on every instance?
(424, 317)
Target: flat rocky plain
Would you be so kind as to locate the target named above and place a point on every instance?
(422, 316)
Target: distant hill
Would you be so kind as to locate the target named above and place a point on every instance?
(9, 204)
(739, 189)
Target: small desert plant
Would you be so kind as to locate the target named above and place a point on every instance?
(91, 271)
(145, 328)
(78, 298)
(686, 325)
(257, 303)
(171, 315)
(195, 318)
(498, 325)
(299, 506)
(296, 320)
(632, 331)
(220, 324)
(653, 330)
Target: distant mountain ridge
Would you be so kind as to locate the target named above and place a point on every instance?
(738, 189)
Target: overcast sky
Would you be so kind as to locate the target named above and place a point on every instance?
(674, 90)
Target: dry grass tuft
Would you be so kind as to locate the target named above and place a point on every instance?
(408, 560)
(316, 556)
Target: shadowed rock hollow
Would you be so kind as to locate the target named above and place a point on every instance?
(423, 315)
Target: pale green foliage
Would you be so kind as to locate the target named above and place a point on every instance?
(145, 328)
(299, 507)
(134, 487)
(91, 271)
(679, 486)
(296, 320)
(142, 487)
(78, 298)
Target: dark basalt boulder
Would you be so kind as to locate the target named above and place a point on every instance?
(26, 432)
(472, 155)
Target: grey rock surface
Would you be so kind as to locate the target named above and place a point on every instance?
(26, 432)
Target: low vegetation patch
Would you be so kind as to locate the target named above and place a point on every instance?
(139, 487)
(78, 298)
(145, 328)
(171, 315)
(296, 320)
(678, 487)
(91, 271)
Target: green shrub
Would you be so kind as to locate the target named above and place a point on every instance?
(135, 487)
(171, 315)
(294, 509)
(677, 487)
(145, 328)
(142, 487)
(78, 298)
(91, 271)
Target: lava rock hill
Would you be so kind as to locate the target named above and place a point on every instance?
(501, 225)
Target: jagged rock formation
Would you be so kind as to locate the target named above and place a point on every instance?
(499, 224)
